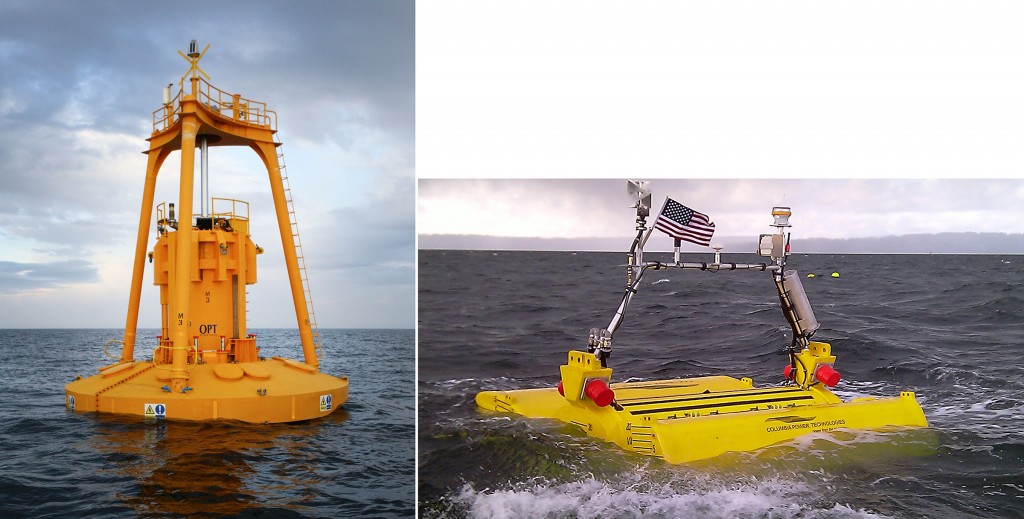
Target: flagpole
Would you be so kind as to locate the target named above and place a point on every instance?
(636, 272)
(636, 251)
(649, 231)
(600, 341)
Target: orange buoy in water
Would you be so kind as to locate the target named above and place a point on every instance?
(204, 364)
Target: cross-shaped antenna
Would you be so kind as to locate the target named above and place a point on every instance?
(193, 58)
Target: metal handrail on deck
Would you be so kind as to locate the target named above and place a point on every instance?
(168, 344)
(223, 104)
(234, 213)
(165, 117)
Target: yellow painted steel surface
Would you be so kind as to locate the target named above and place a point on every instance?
(696, 418)
(263, 391)
(205, 364)
(224, 263)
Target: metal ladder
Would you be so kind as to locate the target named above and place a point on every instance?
(297, 242)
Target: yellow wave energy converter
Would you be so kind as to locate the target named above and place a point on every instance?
(689, 419)
(205, 364)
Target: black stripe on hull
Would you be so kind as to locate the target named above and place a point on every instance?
(793, 399)
(625, 402)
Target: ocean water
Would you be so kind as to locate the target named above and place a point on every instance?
(356, 462)
(950, 328)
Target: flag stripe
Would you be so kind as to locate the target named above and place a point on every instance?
(684, 223)
(701, 229)
(675, 230)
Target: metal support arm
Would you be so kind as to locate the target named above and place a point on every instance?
(657, 265)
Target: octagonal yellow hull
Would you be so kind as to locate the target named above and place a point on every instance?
(690, 419)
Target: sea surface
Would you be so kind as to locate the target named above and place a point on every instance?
(948, 327)
(356, 462)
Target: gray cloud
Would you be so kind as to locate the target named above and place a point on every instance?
(16, 277)
(587, 214)
(111, 58)
(374, 235)
(79, 88)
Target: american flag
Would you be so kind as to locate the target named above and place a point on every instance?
(679, 221)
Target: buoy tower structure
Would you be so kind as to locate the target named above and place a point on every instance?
(206, 365)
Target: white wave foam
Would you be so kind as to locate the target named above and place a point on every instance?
(851, 389)
(660, 281)
(1000, 416)
(472, 382)
(634, 498)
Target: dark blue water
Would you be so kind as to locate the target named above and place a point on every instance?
(356, 462)
(950, 328)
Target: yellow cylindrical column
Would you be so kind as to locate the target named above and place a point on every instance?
(268, 153)
(180, 293)
(156, 158)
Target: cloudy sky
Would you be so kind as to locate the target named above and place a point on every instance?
(840, 96)
(599, 208)
(80, 81)
(528, 89)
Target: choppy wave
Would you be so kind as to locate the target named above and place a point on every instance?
(357, 461)
(946, 327)
(637, 497)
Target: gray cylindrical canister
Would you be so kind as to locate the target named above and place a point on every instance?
(795, 291)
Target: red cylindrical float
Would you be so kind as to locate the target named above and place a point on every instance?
(560, 390)
(827, 375)
(598, 391)
(788, 372)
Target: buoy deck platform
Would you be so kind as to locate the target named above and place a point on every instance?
(266, 391)
(689, 419)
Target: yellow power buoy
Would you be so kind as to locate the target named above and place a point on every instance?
(810, 275)
(687, 419)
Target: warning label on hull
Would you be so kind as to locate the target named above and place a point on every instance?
(155, 411)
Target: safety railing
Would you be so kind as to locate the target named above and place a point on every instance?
(236, 107)
(230, 350)
(236, 208)
(229, 209)
(167, 115)
(228, 106)
(164, 352)
(164, 219)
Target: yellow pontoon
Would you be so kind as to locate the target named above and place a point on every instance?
(689, 419)
(205, 364)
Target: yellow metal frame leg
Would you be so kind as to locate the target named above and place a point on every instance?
(268, 152)
(156, 159)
